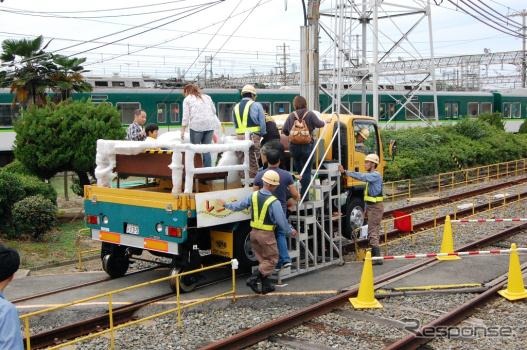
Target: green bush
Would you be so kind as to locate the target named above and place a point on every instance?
(494, 119)
(34, 216)
(523, 128)
(33, 186)
(16, 167)
(11, 191)
(429, 151)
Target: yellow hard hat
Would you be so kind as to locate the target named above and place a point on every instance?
(271, 177)
(372, 158)
(365, 133)
(249, 88)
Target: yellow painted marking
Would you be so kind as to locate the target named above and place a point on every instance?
(155, 244)
(439, 286)
(111, 237)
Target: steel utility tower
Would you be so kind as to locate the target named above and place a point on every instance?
(523, 15)
(387, 33)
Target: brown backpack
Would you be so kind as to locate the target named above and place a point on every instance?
(299, 134)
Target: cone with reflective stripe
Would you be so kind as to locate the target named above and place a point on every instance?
(366, 297)
(515, 287)
(447, 244)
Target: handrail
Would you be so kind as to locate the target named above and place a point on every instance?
(25, 317)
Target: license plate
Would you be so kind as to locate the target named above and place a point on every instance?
(132, 229)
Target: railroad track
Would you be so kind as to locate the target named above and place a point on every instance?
(280, 325)
(121, 315)
(77, 286)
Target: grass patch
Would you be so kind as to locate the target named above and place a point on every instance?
(55, 247)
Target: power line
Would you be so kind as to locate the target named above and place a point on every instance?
(24, 13)
(102, 10)
(153, 28)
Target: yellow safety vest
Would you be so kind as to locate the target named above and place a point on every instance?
(368, 198)
(241, 121)
(258, 220)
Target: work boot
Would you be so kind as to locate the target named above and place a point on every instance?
(267, 285)
(255, 282)
(376, 251)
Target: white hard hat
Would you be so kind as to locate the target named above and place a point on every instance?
(249, 88)
(271, 177)
(365, 133)
(372, 158)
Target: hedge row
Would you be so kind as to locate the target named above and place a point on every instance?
(431, 150)
(27, 204)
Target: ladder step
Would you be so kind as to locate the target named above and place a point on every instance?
(304, 219)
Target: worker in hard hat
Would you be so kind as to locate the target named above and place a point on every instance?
(248, 116)
(266, 214)
(360, 137)
(373, 199)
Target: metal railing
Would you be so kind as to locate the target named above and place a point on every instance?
(402, 189)
(82, 252)
(25, 318)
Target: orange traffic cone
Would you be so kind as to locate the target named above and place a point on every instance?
(366, 297)
(447, 244)
(515, 287)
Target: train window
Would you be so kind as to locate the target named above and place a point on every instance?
(382, 111)
(8, 114)
(345, 107)
(356, 108)
(391, 109)
(225, 111)
(412, 111)
(429, 110)
(101, 83)
(161, 112)
(266, 107)
(136, 84)
(511, 110)
(98, 98)
(282, 108)
(486, 107)
(127, 111)
(118, 84)
(174, 112)
(451, 110)
(473, 109)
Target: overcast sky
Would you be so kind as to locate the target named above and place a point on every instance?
(245, 42)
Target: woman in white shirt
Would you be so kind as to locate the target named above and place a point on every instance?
(199, 115)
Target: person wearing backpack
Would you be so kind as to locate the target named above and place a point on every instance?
(299, 128)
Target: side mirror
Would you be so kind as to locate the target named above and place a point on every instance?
(392, 149)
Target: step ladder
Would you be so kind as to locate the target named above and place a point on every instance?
(319, 241)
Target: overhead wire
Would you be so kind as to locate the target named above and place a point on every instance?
(106, 10)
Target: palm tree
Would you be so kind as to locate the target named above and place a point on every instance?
(67, 76)
(25, 69)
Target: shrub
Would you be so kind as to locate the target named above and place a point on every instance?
(11, 191)
(33, 186)
(523, 128)
(16, 167)
(34, 216)
(494, 119)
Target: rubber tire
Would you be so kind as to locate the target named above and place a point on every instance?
(115, 265)
(242, 246)
(355, 216)
(186, 284)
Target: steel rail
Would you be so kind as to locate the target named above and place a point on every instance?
(455, 316)
(77, 286)
(455, 197)
(265, 330)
